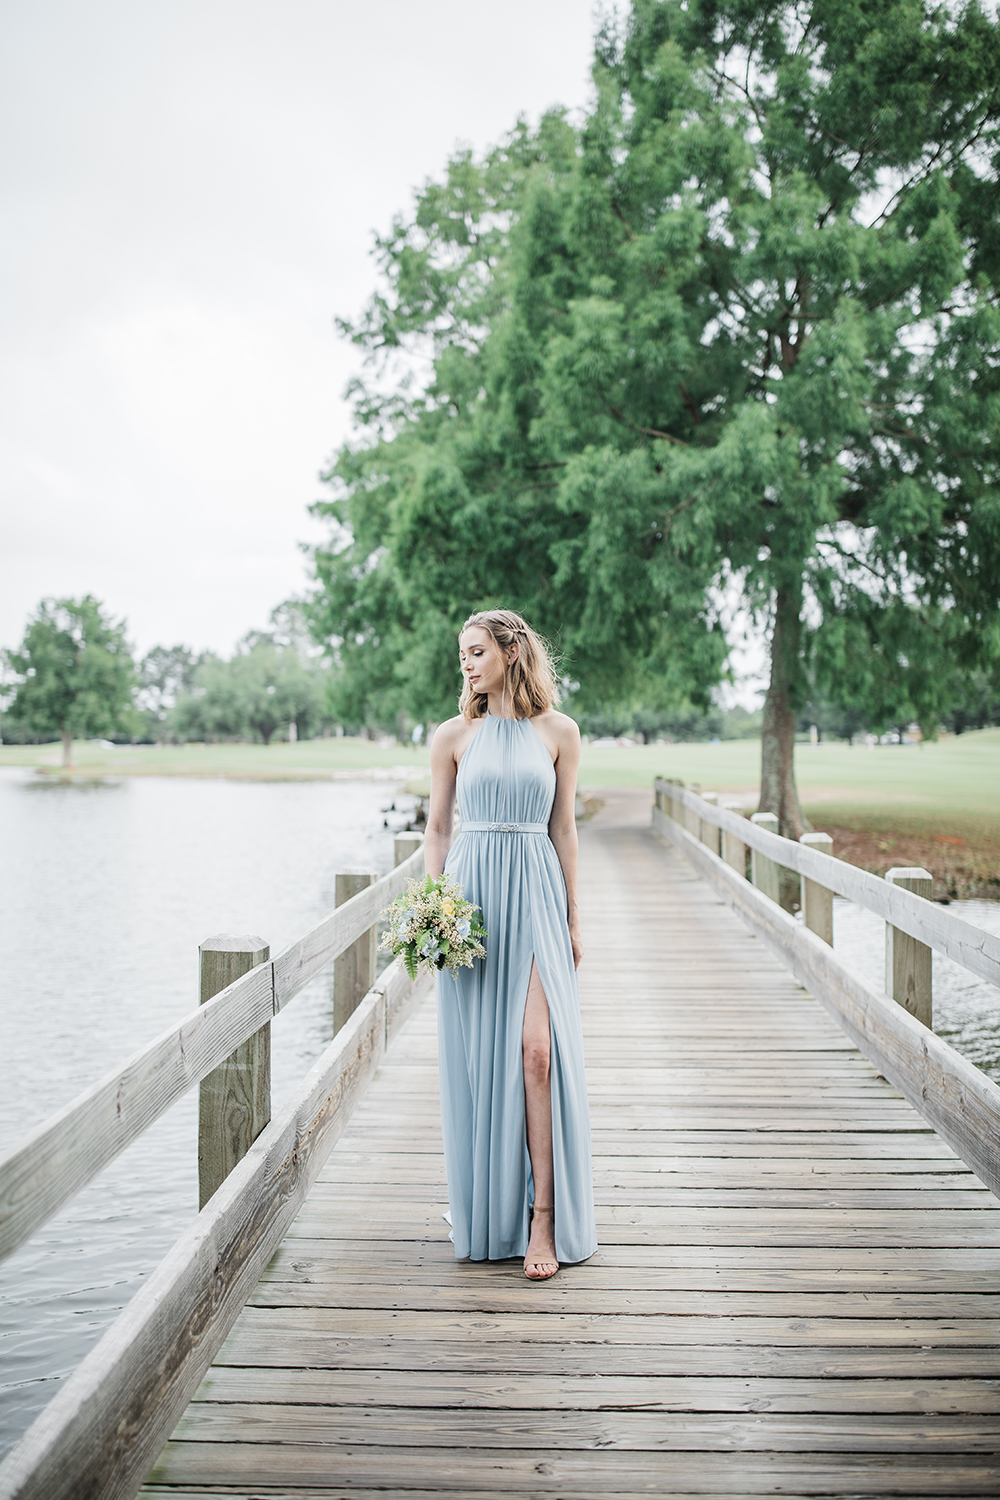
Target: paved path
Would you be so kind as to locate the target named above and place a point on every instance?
(797, 1291)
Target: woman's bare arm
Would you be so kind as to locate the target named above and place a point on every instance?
(441, 818)
(562, 822)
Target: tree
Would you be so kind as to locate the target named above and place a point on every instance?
(734, 340)
(164, 673)
(74, 673)
(263, 688)
(448, 502)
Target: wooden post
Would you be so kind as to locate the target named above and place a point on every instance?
(907, 961)
(817, 901)
(354, 970)
(691, 820)
(734, 851)
(710, 831)
(765, 873)
(403, 845)
(234, 1100)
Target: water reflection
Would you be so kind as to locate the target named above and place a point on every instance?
(106, 889)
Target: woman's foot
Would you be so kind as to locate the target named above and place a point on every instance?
(540, 1262)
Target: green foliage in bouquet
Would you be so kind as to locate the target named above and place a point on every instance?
(432, 926)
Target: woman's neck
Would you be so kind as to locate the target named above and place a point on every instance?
(499, 705)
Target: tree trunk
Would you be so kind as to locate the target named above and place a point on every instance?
(778, 792)
(66, 736)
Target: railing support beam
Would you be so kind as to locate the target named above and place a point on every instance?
(234, 1100)
(765, 873)
(354, 970)
(908, 968)
(817, 900)
(709, 832)
(405, 844)
(734, 851)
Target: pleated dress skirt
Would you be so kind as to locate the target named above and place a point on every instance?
(506, 863)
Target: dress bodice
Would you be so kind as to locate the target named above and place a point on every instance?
(506, 774)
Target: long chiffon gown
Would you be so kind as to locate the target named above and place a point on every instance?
(506, 863)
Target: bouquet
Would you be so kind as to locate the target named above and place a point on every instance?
(433, 927)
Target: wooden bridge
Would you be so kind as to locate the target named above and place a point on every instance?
(798, 1286)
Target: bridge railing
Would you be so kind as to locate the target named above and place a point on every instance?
(99, 1436)
(741, 857)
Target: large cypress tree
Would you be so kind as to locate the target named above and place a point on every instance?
(734, 339)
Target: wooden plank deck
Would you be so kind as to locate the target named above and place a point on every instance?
(797, 1291)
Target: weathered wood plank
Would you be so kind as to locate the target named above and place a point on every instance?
(542, 1471)
(632, 1329)
(336, 1292)
(378, 1387)
(562, 1430)
(277, 1347)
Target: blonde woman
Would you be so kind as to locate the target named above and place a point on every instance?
(513, 1098)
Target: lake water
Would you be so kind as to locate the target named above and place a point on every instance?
(106, 890)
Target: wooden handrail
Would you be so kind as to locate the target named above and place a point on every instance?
(41, 1172)
(951, 1093)
(924, 920)
(104, 1428)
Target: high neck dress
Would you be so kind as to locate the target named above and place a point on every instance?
(506, 863)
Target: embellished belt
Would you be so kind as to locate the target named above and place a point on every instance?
(505, 828)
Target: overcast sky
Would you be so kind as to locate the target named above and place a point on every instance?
(189, 191)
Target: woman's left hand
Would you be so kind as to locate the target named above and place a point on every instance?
(576, 942)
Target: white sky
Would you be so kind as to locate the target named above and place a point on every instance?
(189, 189)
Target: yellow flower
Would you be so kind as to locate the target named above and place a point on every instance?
(447, 908)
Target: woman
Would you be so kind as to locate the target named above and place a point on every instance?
(513, 1097)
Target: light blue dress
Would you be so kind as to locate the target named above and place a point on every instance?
(506, 777)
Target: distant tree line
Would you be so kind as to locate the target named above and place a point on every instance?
(74, 677)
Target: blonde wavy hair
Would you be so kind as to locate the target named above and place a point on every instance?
(530, 677)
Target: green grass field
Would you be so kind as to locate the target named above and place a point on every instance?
(953, 782)
(954, 779)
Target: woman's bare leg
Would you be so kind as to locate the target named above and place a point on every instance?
(540, 1261)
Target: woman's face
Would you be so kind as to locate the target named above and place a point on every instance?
(482, 660)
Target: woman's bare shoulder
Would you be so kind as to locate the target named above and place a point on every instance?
(561, 725)
(559, 731)
(451, 729)
(450, 737)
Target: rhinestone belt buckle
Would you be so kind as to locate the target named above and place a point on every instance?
(503, 827)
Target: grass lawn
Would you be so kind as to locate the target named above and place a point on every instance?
(955, 779)
(935, 805)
